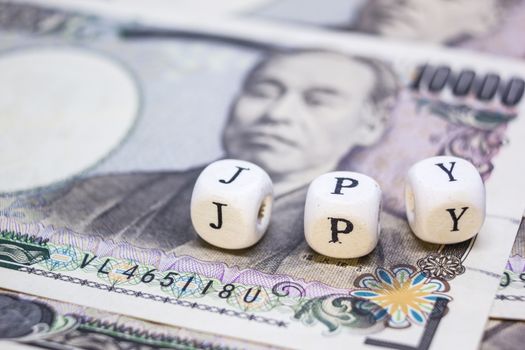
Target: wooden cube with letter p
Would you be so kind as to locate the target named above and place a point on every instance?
(445, 200)
(231, 203)
(341, 216)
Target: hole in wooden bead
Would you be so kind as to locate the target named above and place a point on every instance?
(379, 218)
(263, 208)
(410, 203)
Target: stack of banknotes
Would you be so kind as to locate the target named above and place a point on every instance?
(109, 110)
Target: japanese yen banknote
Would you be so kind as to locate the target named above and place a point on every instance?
(44, 323)
(483, 25)
(107, 120)
(29, 322)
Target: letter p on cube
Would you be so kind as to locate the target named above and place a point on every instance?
(341, 215)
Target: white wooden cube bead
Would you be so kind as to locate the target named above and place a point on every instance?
(231, 204)
(445, 200)
(341, 216)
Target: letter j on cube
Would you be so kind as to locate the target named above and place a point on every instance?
(231, 204)
(444, 199)
(341, 216)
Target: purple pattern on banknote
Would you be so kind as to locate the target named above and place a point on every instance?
(165, 261)
(516, 264)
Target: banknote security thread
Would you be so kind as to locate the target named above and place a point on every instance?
(341, 216)
(231, 204)
(444, 200)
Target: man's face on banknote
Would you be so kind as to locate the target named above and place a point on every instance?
(301, 112)
(437, 21)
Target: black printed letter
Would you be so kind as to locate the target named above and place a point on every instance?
(219, 215)
(85, 262)
(335, 230)
(239, 170)
(448, 171)
(339, 185)
(455, 218)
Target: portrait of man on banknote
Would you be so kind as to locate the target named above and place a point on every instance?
(295, 125)
(298, 126)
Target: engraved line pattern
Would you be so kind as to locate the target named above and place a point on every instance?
(158, 298)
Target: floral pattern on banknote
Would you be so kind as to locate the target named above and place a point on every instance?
(407, 294)
(441, 266)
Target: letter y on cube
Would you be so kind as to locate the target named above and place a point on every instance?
(444, 199)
